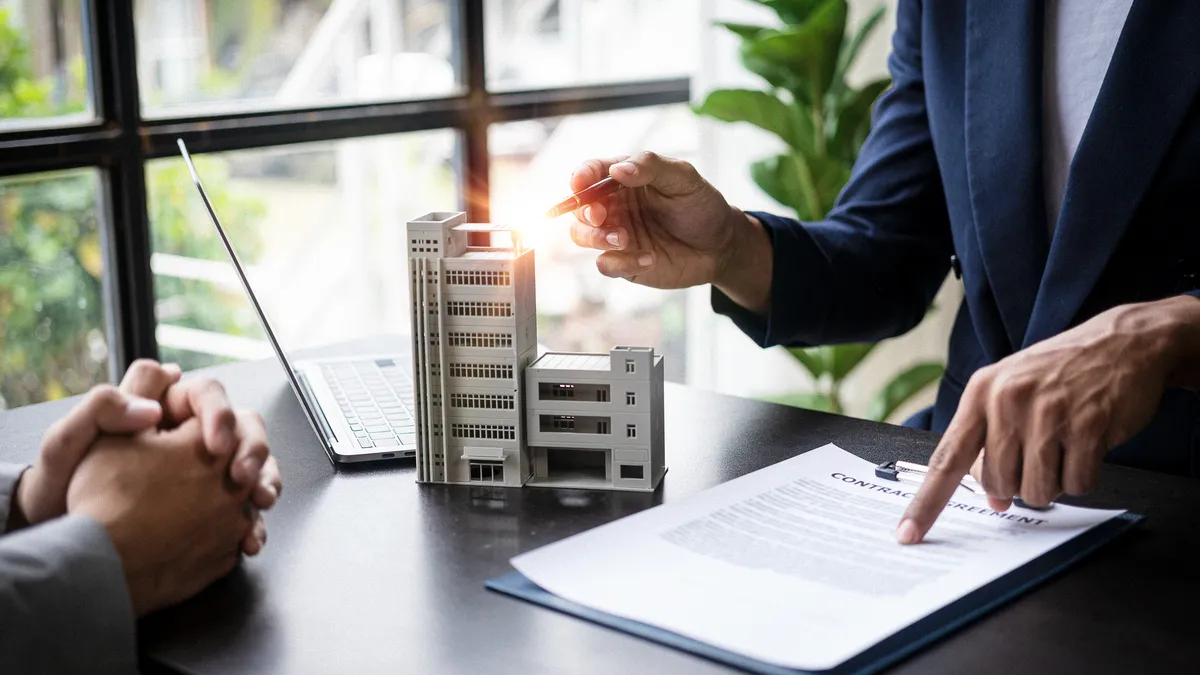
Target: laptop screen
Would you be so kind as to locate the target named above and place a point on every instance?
(262, 315)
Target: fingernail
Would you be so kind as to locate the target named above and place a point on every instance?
(626, 167)
(223, 440)
(613, 239)
(586, 212)
(172, 368)
(252, 465)
(645, 260)
(906, 533)
(138, 406)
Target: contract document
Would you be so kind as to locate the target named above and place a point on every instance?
(796, 564)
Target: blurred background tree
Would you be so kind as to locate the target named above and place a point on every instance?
(52, 336)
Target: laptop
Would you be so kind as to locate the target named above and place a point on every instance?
(359, 406)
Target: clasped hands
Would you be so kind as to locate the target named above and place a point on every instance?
(174, 474)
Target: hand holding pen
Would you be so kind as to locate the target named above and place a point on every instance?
(660, 224)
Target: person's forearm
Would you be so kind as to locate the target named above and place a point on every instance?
(745, 272)
(1184, 345)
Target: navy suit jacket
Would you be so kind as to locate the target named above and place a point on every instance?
(953, 167)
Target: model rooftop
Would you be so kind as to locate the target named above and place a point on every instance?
(565, 361)
(490, 254)
(568, 361)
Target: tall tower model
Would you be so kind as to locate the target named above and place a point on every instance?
(474, 324)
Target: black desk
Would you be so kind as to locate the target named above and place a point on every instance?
(366, 572)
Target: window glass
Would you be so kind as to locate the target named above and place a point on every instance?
(43, 67)
(52, 321)
(198, 56)
(543, 43)
(579, 310)
(320, 227)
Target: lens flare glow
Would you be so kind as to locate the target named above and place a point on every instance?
(524, 210)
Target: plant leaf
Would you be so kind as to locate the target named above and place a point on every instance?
(776, 75)
(854, 119)
(830, 176)
(806, 184)
(808, 400)
(809, 50)
(762, 109)
(743, 30)
(791, 11)
(788, 180)
(903, 387)
(811, 358)
(846, 357)
(851, 48)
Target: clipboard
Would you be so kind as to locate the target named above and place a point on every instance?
(890, 650)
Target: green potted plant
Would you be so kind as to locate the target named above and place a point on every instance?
(822, 121)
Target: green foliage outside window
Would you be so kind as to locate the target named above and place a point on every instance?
(52, 341)
(822, 120)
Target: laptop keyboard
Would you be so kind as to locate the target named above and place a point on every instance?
(375, 397)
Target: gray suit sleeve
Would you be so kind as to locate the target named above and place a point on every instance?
(9, 473)
(64, 606)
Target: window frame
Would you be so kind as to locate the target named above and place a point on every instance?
(120, 142)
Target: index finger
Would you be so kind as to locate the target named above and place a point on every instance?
(592, 171)
(205, 398)
(950, 462)
(149, 379)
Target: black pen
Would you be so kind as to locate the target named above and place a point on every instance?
(588, 195)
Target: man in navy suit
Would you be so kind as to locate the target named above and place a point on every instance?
(1050, 154)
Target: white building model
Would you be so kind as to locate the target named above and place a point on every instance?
(488, 409)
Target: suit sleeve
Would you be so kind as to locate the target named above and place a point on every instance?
(64, 605)
(9, 475)
(871, 269)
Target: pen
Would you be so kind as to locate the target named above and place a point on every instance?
(588, 195)
(915, 473)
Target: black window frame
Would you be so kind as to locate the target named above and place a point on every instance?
(119, 142)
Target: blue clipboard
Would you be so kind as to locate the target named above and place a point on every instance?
(877, 657)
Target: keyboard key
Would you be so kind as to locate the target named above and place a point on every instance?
(375, 436)
(365, 443)
(391, 442)
(408, 439)
(378, 428)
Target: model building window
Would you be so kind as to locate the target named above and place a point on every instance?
(563, 423)
(630, 398)
(630, 431)
(629, 366)
(602, 427)
(487, 472)
(564, 391)
(602, 395)
(490, 431)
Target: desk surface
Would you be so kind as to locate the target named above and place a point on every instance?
(367, 572)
